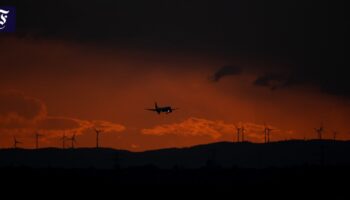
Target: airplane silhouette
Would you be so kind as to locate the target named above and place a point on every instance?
(165, 109)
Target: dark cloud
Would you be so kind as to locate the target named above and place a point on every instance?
(310, 35)
(331, 81)
(226, 71)
(268, 27)
(278, 80)
(272, 81)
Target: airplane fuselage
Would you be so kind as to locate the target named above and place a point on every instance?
(166, 109)
(163, 109)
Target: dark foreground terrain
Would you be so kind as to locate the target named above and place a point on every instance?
(307, 182)
(224, 154)
(281, 170)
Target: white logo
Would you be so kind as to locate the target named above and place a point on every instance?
(3, 17)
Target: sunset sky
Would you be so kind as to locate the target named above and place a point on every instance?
(74, 66)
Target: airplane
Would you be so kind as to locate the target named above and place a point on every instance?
(165, 109)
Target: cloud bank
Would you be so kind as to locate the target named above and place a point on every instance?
(22, 116)
(215, 129)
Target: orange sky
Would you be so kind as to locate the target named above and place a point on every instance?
(55, 87)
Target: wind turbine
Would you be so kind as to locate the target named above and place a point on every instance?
(242, 131)
(98, 131)
(267, 132)
(73, 140)
(15, 142)
(37, 136)
(319, 131)
(238, 131)
(335, 133)
(64, 138)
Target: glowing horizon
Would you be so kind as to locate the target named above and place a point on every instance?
(60, 87)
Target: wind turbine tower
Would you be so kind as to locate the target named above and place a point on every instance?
(319, 132)
(242, 131)
(15, 142)
(37, 137)
(238, 133)
(73, 141)
(98, 132)
(64, 138)
(335, 133)
(267, 132)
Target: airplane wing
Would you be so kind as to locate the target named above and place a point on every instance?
(150, 109)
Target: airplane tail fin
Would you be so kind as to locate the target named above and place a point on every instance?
(155, 105)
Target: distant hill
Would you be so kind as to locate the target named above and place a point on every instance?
(223, 154)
